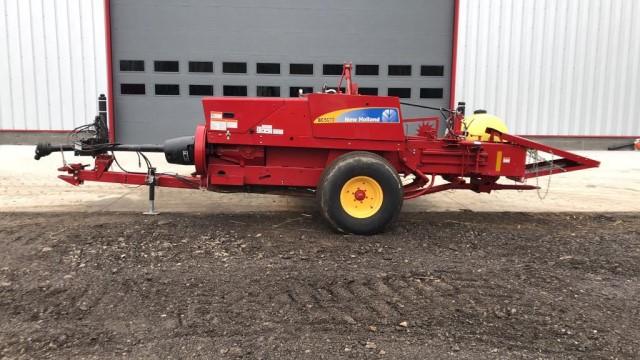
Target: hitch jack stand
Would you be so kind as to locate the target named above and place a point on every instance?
(152, 182)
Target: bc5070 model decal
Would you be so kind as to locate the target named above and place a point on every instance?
(360, 115)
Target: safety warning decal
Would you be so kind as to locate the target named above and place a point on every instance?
(264, 129)
(360, 115)
(218, 123)
(268, 129)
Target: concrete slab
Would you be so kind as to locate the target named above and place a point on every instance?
(29, 185)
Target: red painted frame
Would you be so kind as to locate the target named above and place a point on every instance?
(77, 175)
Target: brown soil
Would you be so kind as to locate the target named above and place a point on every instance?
(272, 286)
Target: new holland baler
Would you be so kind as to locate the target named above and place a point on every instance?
(352, 152)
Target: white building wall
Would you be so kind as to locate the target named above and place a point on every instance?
(552, 67)
(52, 63)
(548, 67)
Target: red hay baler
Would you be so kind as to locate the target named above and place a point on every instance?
(351, 151)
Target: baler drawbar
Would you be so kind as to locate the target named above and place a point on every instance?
(353, 152)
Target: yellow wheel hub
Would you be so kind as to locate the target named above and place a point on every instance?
(361, 197)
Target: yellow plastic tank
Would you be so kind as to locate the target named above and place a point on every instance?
(477, 124)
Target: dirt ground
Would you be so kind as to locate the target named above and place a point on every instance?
(282, 285)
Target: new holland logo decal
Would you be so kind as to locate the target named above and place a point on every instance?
(360, 116)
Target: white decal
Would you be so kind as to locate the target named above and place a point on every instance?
(264, 129)
(218, 125)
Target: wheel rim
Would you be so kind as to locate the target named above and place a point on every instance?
(361, 197)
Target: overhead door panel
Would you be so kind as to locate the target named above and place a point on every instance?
(168, 54)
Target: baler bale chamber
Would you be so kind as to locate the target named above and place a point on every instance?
(352, 152)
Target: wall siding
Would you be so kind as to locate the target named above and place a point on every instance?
(52, 63)
(548, 67)
(552, 67)
(305, 31)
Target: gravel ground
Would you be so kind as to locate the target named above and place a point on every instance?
(281, 285)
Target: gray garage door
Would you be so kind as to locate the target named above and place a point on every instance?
(168, 54)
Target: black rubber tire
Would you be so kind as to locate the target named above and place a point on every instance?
(344, 168)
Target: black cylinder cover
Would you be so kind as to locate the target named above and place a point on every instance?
(179, 150)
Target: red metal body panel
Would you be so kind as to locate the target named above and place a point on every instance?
(466, 159)
(321, 104)
(290, 176)
(293, 122)
(252, 138)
